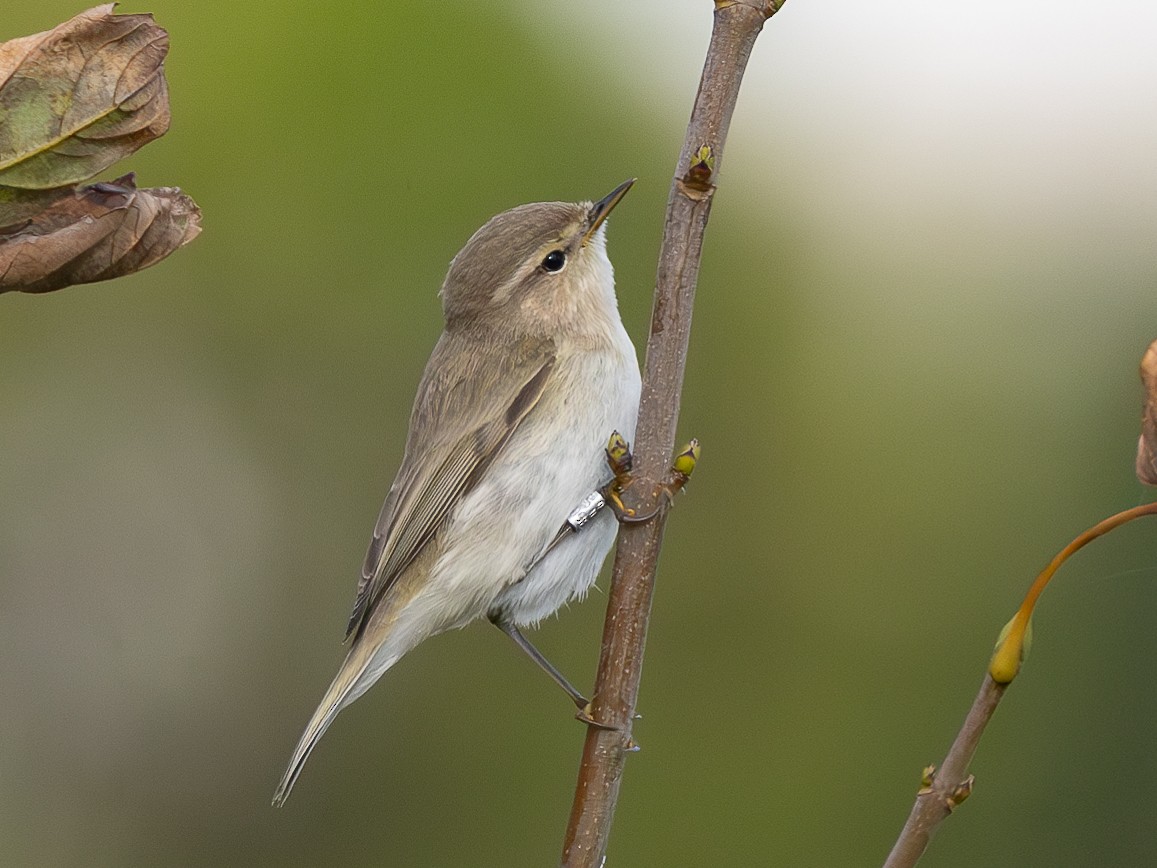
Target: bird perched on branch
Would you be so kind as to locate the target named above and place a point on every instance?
(530, 376)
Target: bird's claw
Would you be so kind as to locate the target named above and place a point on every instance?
(620, 460)
(623, 513)
(584, 716)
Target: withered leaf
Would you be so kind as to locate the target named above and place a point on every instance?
(73, 101)
(1147, 444)
(97, 232)
(78, 98)
(20, 206)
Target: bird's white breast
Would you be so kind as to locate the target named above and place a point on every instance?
(553, 460)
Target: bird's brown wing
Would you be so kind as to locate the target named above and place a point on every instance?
(471, 399)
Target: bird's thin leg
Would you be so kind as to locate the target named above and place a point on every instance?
(503, 623)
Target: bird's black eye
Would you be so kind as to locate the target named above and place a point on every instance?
(554, 261)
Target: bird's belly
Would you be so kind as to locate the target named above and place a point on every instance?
(565, 574)
(501, 527)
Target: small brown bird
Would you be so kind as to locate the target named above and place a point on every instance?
(532, 373)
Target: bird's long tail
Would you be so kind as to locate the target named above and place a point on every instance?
(348, 685)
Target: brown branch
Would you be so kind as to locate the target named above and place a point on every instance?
(736, 27)
(946, 787)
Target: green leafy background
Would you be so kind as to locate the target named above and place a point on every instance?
(927, 284)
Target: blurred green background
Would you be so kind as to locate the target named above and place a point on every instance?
(927, 284)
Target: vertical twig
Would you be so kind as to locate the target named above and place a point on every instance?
(737, 25)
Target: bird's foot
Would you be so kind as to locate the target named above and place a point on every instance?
(620, 460)
(583, 715)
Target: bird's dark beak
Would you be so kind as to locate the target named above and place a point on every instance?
(603, 207)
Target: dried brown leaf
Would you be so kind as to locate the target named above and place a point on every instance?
(20, 206)
(1147, 444)
(78, 98)
(96, 233)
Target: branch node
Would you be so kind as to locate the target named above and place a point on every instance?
(959, 793)
(684, 463)
(928, 776)
(700, 173)
(765, 9)
(692, 193)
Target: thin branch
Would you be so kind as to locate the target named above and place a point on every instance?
(949, 785)
(737, 25)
